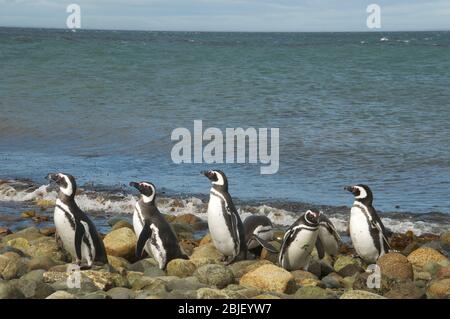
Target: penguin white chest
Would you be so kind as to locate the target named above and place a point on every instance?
(138, 222)
(299, 251)
(65, 229)
(221, 236)
(361, 237)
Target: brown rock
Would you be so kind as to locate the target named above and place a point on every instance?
(395, 266)
(121, 224)
(405, 290)
(45, 203)
(188, 246)
(5, 231)
(187, 219)
(269, 278)
(205, 240)
(305, 278)
(439, 289)
(423, 255)
(121, 243)
(48, 231)
(180, 268)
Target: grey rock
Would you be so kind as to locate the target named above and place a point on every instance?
(9, 290)
(121, 293)
(213, 274)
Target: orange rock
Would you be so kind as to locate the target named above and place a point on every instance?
(269, 278)
(423, 255)
(395, 266)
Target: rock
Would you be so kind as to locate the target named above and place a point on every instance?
(444, 239)
(118, 263)
(205, 240)
(154, 272)
(45, 203)
(432, 268)
(343, 260)
(326, 268)
(121, 243)
(48, 231)
(350, 270)
(210, 293)
(187, 219)
(312, 292)
(332, 280)
(19, 243)
(267, 255)
(61, 294)
(405, 290)
(439, 289)
(395, 266)
(101, 279)
(41, 262)
(410, 248)
(216, 275)
(121, 293)
(34, 289)
(180, 268)
(240, 292)
(266, 296)
(28, 214)
(305, 278)
(269, 278)
(143, 264)
(46, 246)
(29, 234)
(115, 219)
(424, 255)
(96, 295)
(242, 267)
(14, 268)
(132, 276)
(360, 294)
(4, 231)
(187, 283)
(206, 254)
(153, 285)
(122, 223)
(9, 291)
(34, 275)
(422, 275)
(188, 246)
(442, 273)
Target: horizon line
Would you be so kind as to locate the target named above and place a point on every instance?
(217, 31)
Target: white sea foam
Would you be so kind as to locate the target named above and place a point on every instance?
(119, 203)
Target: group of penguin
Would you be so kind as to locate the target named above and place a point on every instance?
(231, 237)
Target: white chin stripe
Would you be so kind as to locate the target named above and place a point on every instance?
(362, 193)
(67, 190)
(148, 199)
(219, 181)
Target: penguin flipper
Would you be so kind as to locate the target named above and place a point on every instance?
(265, 244)
(143, 237)
(320, 249)
(79, 234)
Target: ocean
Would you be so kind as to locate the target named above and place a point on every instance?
(102, 105)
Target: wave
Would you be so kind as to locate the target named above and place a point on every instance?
(120, 202)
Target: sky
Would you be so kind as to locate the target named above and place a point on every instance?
(230, 15)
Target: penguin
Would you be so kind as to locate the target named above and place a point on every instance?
(225, 225)
(328, 240)
(367, 232)
(258, 232)
(299, 241)
(74, 229)
(154, 233)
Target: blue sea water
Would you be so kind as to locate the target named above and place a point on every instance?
(351, 109)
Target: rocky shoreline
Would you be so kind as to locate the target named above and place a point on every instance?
(32, 265)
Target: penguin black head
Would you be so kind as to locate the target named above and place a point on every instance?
(147, 190)
(312, 217)
(66, 183)
(217, 177)
(361, 192)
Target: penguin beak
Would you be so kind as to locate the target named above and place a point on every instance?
(52, 177)
(208, 174)
(350, 189)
